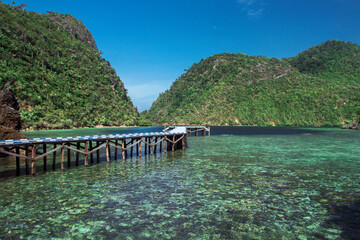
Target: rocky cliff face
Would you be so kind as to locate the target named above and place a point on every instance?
(10, 120)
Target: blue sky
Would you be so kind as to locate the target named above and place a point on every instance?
(150, 43)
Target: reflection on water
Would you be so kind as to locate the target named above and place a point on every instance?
(232, 185)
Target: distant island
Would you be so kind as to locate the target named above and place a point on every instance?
(52, 64)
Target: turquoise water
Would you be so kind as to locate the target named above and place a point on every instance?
(239, 183)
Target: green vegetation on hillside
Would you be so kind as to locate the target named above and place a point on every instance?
(57, 73)
(236, 89)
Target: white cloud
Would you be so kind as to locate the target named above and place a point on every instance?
(253, 8)
(255, 13)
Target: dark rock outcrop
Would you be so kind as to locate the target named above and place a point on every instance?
(354, 125)
(10, 133)
(10, 120)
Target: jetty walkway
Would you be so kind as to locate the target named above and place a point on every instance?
(34, 149)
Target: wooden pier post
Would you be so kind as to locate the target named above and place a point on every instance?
(173, 143)
(164, 144)
(62, 157)
(77, 154)
(196, 131)
(45, 158)
(160, 145)
(116, 150)
(155, 145)
(139, 148)
(107, 151)
(33, 155)
(92, 154)
(86, 154)
(145, 145)
(123, 146)
(17, 150)
(132, 147)
(27, 160)
(184, 142)
(54, 160)
(97, 152)
(151, 146)
(68, 158)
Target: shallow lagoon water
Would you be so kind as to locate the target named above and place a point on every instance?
(239, 183)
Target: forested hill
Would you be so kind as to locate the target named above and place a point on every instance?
(318, 87)
(55, 69)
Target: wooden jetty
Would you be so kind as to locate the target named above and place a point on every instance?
(32, 150)
(192, 129)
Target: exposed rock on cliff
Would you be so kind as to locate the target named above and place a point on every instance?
(10, 120)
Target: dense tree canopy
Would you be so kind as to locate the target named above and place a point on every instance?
(57, 73)
(319, 87)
